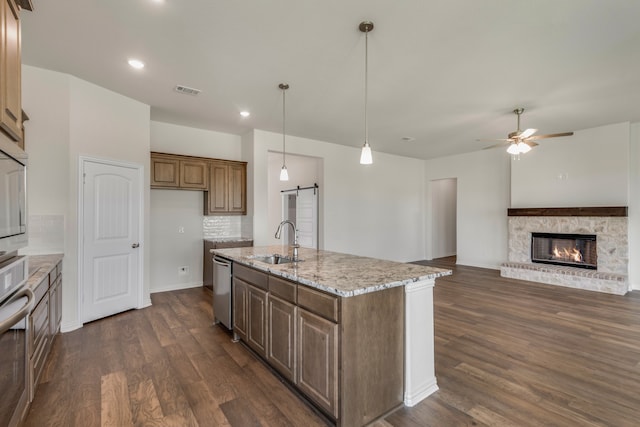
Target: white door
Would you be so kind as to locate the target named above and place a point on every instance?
(301, 207)
(111, 206)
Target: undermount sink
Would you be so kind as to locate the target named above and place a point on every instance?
(273, 259)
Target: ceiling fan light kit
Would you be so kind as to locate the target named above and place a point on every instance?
(521, 142)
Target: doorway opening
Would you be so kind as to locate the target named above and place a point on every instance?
(444, 195)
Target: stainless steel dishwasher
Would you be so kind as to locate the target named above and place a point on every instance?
(222, 291)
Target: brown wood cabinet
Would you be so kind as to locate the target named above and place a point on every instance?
(257, 320)
(239, 304)
(227, 193)
(10, 71)
(317, 350)
(44, 323)
(224, 182)
(281, 329)
(181, 172)
(346, 355)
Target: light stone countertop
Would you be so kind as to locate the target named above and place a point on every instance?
(340, 274)
(228, 239)
(40, 266)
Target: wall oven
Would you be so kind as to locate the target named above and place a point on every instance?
(13, 199)
(16, 302)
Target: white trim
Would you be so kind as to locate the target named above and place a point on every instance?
(177, 287)
(80, 227)
(416, 396)
(419, 367)
(70, 326)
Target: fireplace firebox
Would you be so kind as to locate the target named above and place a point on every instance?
(573, 250)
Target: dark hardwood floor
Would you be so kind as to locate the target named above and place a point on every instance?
(508, 353)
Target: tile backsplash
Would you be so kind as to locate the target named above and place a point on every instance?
(46, 234)
(222, 226)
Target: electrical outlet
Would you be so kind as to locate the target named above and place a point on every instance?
(184, 270)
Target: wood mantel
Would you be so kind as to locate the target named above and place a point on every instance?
(617, 211)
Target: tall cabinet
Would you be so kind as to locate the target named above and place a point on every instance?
(11, 71)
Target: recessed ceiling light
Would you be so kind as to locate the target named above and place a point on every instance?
(245, 113)
(136, 63)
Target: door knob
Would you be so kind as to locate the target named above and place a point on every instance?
(135, 245)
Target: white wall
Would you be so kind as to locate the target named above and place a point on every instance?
(171, 209)
(590, 168)
(303, 172)
(443, 220)
(634, 206)
(374, 210)
(482, 203)
(79, 118)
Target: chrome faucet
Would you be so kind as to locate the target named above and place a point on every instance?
(296, 246)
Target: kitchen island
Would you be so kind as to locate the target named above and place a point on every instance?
(353, 334)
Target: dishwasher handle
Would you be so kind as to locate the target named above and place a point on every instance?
(221, 261)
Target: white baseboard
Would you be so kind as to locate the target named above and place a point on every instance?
(420, 394)
(176, 287)
(70, 326)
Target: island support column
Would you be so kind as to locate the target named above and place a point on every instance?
(420, 377)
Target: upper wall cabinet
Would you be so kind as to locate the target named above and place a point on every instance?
(10, 71)
(173, 171)
(223, 181)
(227, 193)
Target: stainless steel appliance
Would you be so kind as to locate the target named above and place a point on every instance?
(16, 302)
(13, 199)
(222, 291)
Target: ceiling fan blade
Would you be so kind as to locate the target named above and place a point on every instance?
(504, 143)
(551, 135)
(531, 143)
(527, 133)
(494, 139)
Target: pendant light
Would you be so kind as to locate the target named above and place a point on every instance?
(284, 175)
(365, 156)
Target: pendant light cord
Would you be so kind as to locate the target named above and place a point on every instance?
(366, 85)
(283, 125)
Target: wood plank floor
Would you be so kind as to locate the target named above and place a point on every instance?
(508, 353)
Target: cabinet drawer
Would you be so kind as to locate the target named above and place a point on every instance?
(283, 288)
(320, 303)
(41, 289)
(251, 276)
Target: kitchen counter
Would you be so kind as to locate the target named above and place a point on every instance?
(40, 266)
(339, 274)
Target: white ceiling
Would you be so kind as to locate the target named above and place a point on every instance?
(443, 72)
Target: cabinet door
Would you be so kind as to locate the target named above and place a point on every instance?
(238, 188)
(257, 320)
(194, 174)
(165, 172)
(11, 71)
(317, 350)
(218, 197)
(240, 300)
(281, 331)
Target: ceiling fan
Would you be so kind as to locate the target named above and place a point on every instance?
(521, 142)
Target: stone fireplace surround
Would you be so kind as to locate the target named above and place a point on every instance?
(610, 225)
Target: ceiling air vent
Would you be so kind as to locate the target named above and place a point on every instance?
(187, 90)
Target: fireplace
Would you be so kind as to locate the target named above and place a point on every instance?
(573, 250)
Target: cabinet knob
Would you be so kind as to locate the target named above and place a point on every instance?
(135, 245)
